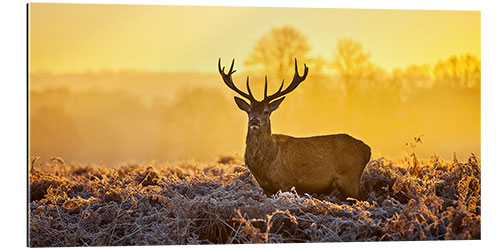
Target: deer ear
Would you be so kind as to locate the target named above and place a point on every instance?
(242, 104)
(275, 104)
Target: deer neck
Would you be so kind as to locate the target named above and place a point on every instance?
(261, 149)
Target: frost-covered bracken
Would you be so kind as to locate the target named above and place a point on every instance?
(221, 203)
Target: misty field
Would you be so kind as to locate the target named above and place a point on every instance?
(221, 203)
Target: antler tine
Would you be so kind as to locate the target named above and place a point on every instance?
(249, 91)
(228, 80)
(265, 89)
(297, 79)
(281, 87)
(232, 64)
(220, 70)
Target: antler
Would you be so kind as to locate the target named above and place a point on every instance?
(228, 80)
(297, 79)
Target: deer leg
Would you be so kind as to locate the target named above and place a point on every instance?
(267, 193)
(349, 187)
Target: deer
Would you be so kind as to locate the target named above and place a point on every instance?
(318, 164)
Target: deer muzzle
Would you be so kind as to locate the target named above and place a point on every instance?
(254, 123)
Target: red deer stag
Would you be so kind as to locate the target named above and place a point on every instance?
(317, 164)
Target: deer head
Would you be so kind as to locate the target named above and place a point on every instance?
(259, 111)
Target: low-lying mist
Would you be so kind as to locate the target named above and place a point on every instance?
(114, 117)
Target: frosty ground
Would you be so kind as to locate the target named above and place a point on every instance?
(221, 203)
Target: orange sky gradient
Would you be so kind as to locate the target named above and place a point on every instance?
(177, 114)
(80, 37)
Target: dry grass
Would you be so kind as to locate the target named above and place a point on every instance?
(221, 203)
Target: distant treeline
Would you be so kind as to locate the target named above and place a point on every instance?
(124, 116)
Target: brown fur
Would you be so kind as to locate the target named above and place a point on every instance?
(312, 165)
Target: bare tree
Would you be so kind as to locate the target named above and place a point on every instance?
(352, 64)
(411, 79)
(459, 71)
(274, 53)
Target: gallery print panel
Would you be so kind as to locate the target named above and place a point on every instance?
(151, 125)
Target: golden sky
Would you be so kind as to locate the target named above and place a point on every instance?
(78, 37)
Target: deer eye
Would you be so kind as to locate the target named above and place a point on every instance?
(266, 112)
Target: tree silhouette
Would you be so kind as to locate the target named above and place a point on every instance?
(276, 50)
(459, 71)
(411, 79)
(352, 64)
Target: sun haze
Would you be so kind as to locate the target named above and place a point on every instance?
(80, 37)
(118, 83)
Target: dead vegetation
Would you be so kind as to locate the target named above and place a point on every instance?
(221, 203)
